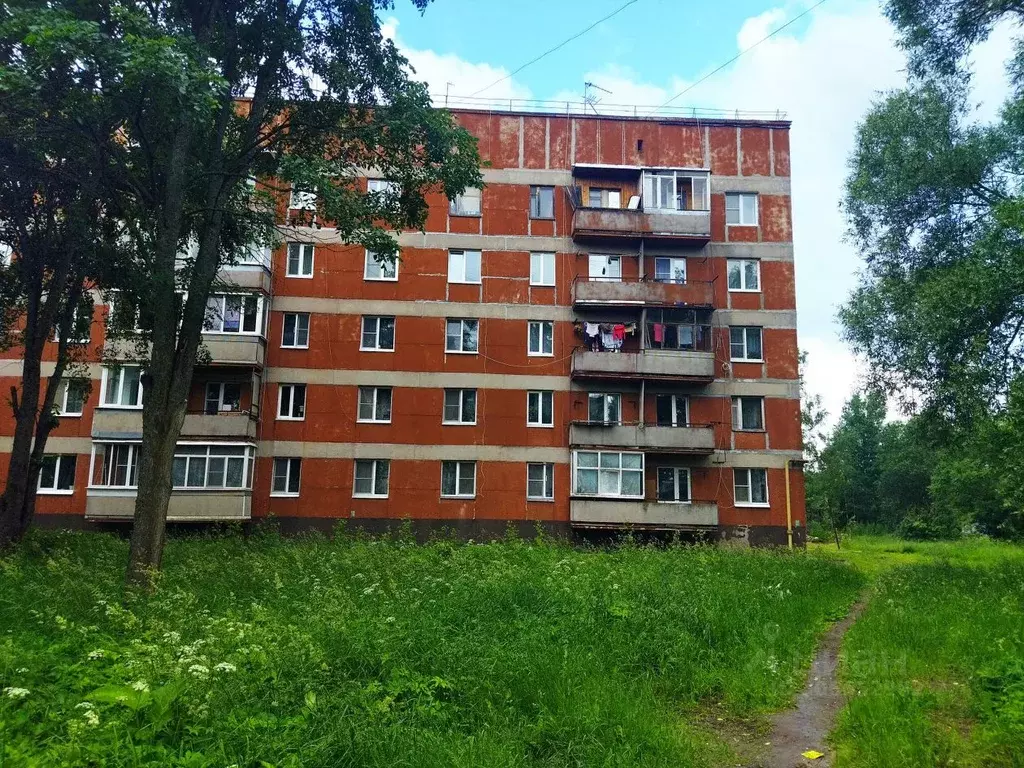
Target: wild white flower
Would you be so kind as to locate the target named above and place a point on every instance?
(225, 666)
(99, 653)
(62, 623)
(199, 670)
(140, 685)
(85, 705)
(22, 671)
(390, 619)
(91, 718)
(16, 693)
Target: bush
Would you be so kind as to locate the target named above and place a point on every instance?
(929, 524)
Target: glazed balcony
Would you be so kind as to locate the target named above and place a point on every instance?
(183, 507)
(651, 364)
(614, 513)
(642, 292)
(689, 439)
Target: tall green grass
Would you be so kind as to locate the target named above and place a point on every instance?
(270, 652)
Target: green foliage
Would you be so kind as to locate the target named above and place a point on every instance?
(263, 651)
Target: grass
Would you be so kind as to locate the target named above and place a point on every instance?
(935, 665)
(269, 652)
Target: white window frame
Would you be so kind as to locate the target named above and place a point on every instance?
(738, 424)
(374, 402)
(376, 319)
(458, 266)
(741, 265)
(291, 389)
(746, 330)
(576, 469)
(540, 395)
(370, 263)
(542, 265)
(106, 381)
(221, 385)
(673, 263)
(375, 466)
(675, 401)
(546, 480)
(457, 206)
(612, 263)
(219, 317)
(55, 490)
(617, 397)
(61, 400)
(540, 325)
(535, 194)
(301, 274)
(385, 186)
(459, 467)
(248, 457)
(131, 468)
(296, 316)
(735, 208)
(677, 472)
(461, 394)
(651, 190)
(255, 255)
(748, 484)
(301, 200)
(293, 463)
(462, 336)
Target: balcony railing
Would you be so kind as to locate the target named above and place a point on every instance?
(654, 224)
(184, 506)
(221, 424)
(689, 438)
(235, 349)
(612, 513)
(646, 291)
(652, 364)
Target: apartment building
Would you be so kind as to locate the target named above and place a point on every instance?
(603, 337)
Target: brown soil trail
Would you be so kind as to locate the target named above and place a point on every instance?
(807, 725)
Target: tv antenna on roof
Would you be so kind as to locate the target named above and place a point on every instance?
(589, 99)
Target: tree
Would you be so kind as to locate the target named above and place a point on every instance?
(812, 416)
(300, 95)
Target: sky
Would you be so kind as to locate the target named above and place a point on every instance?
(824, 71)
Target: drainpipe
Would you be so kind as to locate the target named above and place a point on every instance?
(789, 510)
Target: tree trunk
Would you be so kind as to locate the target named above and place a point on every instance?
(19, 472)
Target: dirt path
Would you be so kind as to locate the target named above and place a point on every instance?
(805, 727)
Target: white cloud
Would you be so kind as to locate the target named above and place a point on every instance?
(757, 28)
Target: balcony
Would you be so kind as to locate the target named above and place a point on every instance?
(690, 439)
(690, 226)
(612, 513)
(184, 506)
(644, 292)
(235, 349)
(237, 424)
(119, 423)
(245, 277)
(651, 364)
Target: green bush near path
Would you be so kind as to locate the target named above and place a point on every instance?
(271, 652)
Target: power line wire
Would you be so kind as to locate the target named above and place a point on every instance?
(552, 50)
(715, 71)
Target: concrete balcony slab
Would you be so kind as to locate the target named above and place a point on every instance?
(642, 512)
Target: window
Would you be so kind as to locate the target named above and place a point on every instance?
(745, 343)
(223, 396)
(296, 330)
(211, 466)
(748, 413)
(462, 336)
(233, 313)
(375, 404)
(540, 408)
(685, 329)
(604, 198)
(744, 275)
(542, 202)
(383, 186)
(463, 266)
(459, 406)
(540, 338)
(291, 401)
(300, 260)
(540, 482)
(287, 473)
(741, 208)
(609, 473)
(116, 465)
(603, 408)
(466, 204)
(674, 484)
(302, 200)
(542, 269)
(122, 387)
(603, 267)
(675, 191)
(378, 334)
(672, 410)
(254, 255)
(57, 475)
(70, 399)
(750, 487)
(371, 478)
(380, 267)
(668, 270)
(458, 479)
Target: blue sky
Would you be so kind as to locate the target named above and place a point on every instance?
(824, 71)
